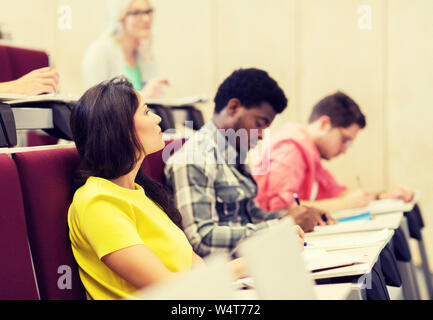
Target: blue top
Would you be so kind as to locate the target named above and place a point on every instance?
(134, 76)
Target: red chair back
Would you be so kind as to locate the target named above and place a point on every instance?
(46, 178)
(6, 73)
(153, 164)
(16, 62)
(35, 139)
(17, 279)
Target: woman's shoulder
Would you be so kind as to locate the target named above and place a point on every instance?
(95, 189)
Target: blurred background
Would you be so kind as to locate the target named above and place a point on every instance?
(376, 51)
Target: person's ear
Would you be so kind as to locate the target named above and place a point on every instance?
(325, 123)
(233, 107)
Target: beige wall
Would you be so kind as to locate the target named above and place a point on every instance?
(409, 102)
(312, 47)
(27, 23)
(336, 55)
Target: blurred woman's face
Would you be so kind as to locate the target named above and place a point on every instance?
(138, 20)
(146, 127)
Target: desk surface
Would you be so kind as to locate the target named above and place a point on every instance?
(383, 221)
(369, 253)
(340, 291)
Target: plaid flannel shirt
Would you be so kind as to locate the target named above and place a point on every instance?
(214, 198)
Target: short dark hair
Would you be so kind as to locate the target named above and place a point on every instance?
(102, 125)
(252, 87)
(341, 109)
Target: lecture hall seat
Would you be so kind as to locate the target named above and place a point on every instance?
(46, 179)
(17, 279)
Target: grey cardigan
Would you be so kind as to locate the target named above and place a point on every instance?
(104, 60)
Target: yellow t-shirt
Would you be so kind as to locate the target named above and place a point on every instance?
(104, 218)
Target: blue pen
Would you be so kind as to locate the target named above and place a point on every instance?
(363, 216)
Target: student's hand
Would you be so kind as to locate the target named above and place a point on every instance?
(154, 88)
(358, 198)
(325, 219)
(400, 192)
(39, 81)
(305, 217)
(238, 268)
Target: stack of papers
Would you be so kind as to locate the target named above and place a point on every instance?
(349, 241)
(11, 96)
(315, 260)
(385, 221)
(319, 260)
(15, 99)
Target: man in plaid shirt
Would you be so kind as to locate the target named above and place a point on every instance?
(212, 182)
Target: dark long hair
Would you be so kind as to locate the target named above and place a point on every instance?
(102, 125)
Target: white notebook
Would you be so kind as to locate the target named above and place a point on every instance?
(15, 99)
(379, 222)
(318, 260)
(315, 260)
(378, 207)
(349, 241)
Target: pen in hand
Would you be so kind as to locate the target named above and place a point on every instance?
(323, 215)
(295, 195)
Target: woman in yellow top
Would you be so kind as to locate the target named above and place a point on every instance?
(124, 235)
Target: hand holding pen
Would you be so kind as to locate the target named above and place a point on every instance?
(322, 217)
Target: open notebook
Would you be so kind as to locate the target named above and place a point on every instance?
(379, 222)
(349, 241)
(319, 260)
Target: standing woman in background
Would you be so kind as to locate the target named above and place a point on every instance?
(125, 49)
